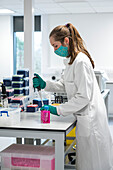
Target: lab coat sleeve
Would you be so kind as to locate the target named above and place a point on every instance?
(55, 87)
(83, 80)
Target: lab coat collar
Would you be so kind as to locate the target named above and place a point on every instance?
(66, 61)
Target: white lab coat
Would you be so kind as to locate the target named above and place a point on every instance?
(94, 142)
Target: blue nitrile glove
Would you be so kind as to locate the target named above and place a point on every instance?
(52, 109)
(38, 82)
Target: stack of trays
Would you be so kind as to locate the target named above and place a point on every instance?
(20, 83)
(17, 84)
(25, 85)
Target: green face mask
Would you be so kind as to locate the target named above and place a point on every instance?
(62, 51)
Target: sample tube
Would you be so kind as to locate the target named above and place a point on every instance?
(45, 115)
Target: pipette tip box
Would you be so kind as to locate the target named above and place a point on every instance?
(46, 101)
(17, 77)
(10, 92)
(17, 84)
(32, 108)
(18, 100)
(18, 91)
(7, 82)
(24, 72)
(39, 102)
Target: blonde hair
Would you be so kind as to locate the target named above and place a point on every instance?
(76, 43)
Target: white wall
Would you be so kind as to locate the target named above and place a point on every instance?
(6, 60)
(6, 47)
(95, 29)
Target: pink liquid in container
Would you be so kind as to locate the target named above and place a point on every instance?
(45, 115)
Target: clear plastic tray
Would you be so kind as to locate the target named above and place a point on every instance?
(9, 116)
(28, 157)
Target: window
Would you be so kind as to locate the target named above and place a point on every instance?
(19, 44)
(37, 51)
(19, 60)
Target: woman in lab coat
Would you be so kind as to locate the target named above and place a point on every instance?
(94, 143)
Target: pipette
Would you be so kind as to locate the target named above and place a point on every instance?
(39, 92)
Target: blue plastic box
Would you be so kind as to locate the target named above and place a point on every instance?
(7, 82)
(39, 102)
(17, 77)
(32, 108)
(10, 92)
(46, 101)
(17, 84)
(18, 91)
(17, 100)
(24, 72)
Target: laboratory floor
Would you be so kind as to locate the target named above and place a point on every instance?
(111, 130)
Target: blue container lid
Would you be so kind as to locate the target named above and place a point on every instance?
(7, 78)
(46, 107)
(37, 99)
(45, 99)
(24, 69)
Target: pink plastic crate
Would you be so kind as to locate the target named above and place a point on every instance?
(45, 116)
(28, 157)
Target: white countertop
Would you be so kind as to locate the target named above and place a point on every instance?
(33, 121)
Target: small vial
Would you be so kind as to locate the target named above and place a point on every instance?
(45, 115)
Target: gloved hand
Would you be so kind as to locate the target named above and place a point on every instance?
(38, 82)
(52, 109)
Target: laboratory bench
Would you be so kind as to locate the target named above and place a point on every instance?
(31, 127)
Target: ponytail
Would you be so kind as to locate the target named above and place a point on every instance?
(76, 44)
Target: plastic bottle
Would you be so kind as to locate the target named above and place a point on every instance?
(45, 115)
